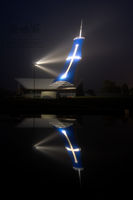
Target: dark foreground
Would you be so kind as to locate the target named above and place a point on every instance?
(106, 143)
(102, 127)
(67, 105)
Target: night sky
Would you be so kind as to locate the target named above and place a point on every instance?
(31, 30)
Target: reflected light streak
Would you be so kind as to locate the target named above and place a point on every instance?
(79, 173)
(53, 152)
(75, 150)
(49, 71)
(49, 148)
(71, 147)
(47, 139)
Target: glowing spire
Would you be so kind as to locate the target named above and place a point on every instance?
(80, 33)
(74, 56)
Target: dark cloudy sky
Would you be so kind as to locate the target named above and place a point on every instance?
(32, 29)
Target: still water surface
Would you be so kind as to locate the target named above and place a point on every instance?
(89, 152)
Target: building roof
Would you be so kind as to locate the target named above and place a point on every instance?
(44, 84)
(40, 84)
(47, 121)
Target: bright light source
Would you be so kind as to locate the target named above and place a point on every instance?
(36, 147)
(64, 76)
(63, 131)
(37, 63)
(75, 150)
(75, 58)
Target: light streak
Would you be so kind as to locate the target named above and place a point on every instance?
(49, 60)
(50, 71)
(70, 64)
(71, 147)
(55, 56)
(45, 140)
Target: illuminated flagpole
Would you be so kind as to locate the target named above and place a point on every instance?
(74, 54)
(80, 33)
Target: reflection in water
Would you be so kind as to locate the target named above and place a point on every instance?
(66, 131)
(64, 127)
(106, 141)
(73, 150)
